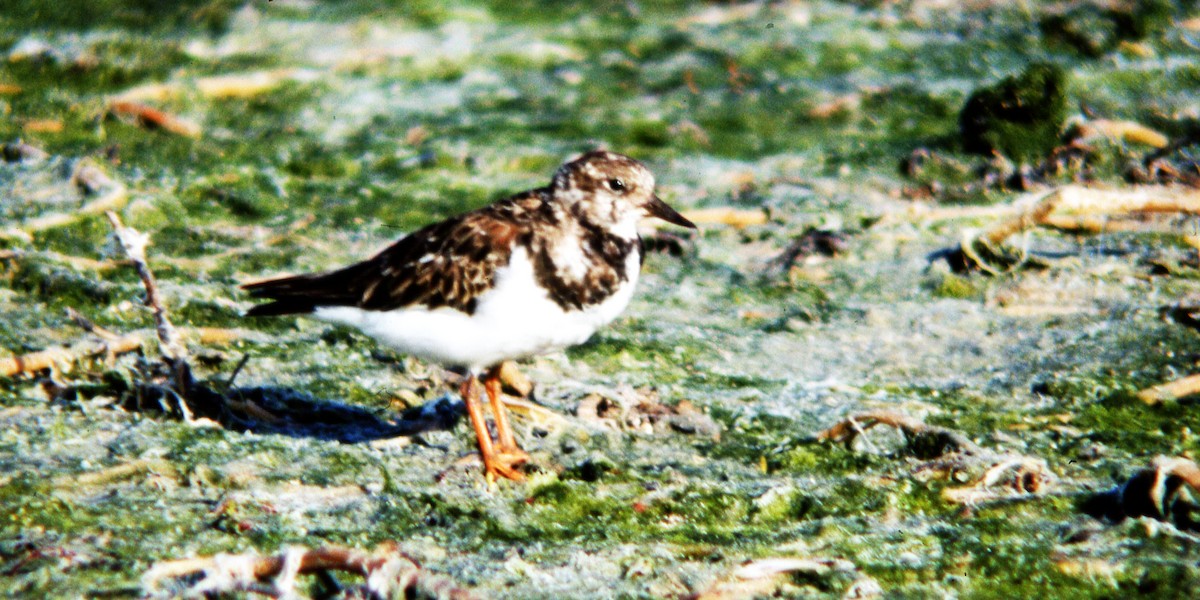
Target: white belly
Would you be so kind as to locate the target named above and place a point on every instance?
(514, 319)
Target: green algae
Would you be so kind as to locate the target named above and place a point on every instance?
(331, 169)
(949, 285)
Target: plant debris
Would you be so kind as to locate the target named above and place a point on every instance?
(386, 573)
(217, 87)
(947, 454)
(765, 578)
(813, 242)
(170, 386)
(986, 251)
(922, 441)
(1171, 390)
(1169, 490)
(640, 410)
(1173, 163)
(153, 118)
(738, 218)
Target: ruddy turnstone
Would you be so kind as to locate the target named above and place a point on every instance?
(536, 272)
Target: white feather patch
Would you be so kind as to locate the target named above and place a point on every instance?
(515, 319)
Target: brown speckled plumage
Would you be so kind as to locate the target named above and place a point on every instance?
(530, 274)
(449, 264)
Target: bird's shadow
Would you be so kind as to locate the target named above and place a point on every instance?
(285, 411)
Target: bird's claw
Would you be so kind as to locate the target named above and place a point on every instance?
(504, 463)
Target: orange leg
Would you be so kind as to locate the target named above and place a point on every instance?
(493, 464)
(507, 444)
(491, 383)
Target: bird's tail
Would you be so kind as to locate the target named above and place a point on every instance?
(289, 296)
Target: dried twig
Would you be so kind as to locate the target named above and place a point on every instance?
(123, 471)
(235, 85)
(236, 370)
(152, 118)
(87, 325)
(1105, 224)
(737, 218)
(996, 476)
(171, 345)
(1165, 392)
(536, 413)
(980, 250)
(1122, 131)
(513, 379)
(387, 573)
(52, 357)
(938, 439)
(110, 345)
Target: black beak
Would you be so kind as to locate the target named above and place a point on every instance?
(657, 208)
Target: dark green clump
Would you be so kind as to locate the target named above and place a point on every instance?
(1094, 31)
(1020, 117)
(210, 15)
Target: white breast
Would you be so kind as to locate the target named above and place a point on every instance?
(515, 319)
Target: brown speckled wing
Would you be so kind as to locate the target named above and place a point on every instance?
(447, 264)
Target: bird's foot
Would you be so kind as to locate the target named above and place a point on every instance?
(504, 462)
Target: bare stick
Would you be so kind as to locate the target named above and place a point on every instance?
(1171, 390)
(1085, 204)
(236, 370)
(87, 325)
(50, 357)
(112, 344)
(76, 262)
(152, 118)
(134, 243)
(850, 428)
(171, 345)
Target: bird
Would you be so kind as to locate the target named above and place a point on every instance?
(529, 274)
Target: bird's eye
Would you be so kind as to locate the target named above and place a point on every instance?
(616, 185)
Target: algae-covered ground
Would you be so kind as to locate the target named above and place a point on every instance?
(300, 135)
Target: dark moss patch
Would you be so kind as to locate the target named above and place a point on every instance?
(1020, 117)
(1094, 30)
(145, 15)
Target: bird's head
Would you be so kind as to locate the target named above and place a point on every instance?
(611, 190)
